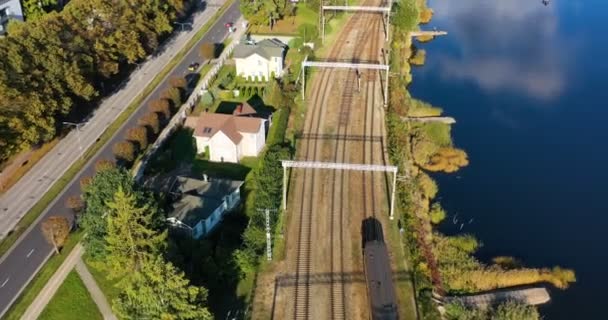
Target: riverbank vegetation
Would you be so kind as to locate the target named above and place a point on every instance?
(444, 265)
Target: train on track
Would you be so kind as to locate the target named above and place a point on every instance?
(378, 273)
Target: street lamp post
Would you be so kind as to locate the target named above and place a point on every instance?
(77, 126)
(182, 24)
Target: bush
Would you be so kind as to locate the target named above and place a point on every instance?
(207, 99)
(140, 135)
(84, 182)
(74, 203)
(124, 151)
(150, 121)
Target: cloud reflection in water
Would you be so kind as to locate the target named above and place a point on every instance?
(505, 45)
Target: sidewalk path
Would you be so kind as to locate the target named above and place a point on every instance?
(47, 293)
(94, 290)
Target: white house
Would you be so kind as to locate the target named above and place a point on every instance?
(229, 137)
(262, 60)
(199, 205)
(9, 9)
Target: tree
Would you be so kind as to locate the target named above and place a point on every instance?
(96, 195)
(104, 164)
(34, 9)
(56, 230)
(207, 50)
(160, 291)
(84, 182)
(140, 135)
(125, 151)
(173, 95)
(74, 203)
(130, 236)
(178, 82)
(151, 121)
(161, 107)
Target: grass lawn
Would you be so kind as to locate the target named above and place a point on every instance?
(289, 25)
(71, 301)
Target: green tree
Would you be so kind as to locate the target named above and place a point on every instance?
(130, 237)
(97, 194)
(35, 9)
(160, 291)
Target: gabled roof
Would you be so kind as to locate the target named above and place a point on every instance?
(208, 124)
(199, 198)
(266, 48)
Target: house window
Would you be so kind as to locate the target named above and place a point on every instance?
(259, 62)
(207, 130)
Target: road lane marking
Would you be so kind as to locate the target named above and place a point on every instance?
(4, 283)
(29, 254)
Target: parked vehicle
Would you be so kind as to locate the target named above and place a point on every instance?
(193, 66)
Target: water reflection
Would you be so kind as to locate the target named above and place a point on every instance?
(505, 46)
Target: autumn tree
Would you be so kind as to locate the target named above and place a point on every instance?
(74, 203)
(207, 50)
(125, 151)
(104, 164)
(151, 122)
(84, 182)
(35, 9)
(178, 82)
(56, 230)
(161, 106)
(140, 135)
(173, 95)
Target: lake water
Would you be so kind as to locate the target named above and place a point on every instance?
(528, 86)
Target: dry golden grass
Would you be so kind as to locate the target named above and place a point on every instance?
(425, 38)
(426, 15)
(447, 160)
(419, 58)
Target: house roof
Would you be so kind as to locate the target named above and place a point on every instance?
(231, 125)
(198, 198)
(266, 48)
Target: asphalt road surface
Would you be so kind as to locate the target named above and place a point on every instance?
(31, 251)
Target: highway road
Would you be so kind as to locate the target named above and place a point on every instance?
(31, 251)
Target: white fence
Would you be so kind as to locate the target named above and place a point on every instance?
(179, 118)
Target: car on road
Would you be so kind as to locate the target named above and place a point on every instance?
(229, 25)
(193, 66)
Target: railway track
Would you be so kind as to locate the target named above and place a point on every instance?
(302, 292)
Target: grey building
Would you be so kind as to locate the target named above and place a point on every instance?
(9, 9)
(200, 204)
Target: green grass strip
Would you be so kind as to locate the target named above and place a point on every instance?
(72, 301)
(30, 217)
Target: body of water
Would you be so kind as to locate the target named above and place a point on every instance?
(528, 86)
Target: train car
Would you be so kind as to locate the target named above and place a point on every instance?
(378, 274)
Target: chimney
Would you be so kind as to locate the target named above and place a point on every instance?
(205, 177)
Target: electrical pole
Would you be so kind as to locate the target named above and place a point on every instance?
(268, 231)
